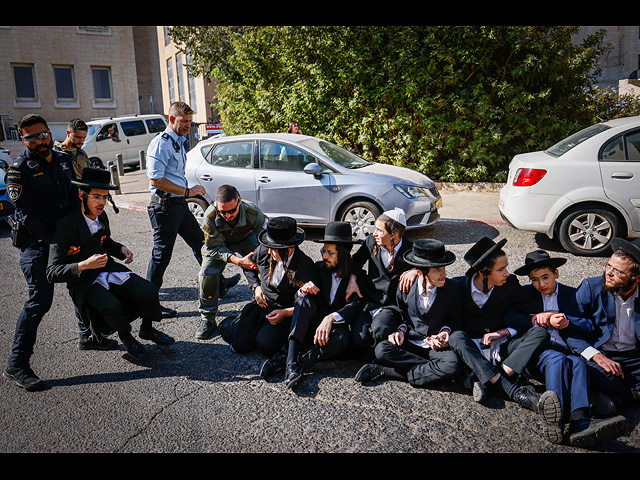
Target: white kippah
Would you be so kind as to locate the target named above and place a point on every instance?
(397, 214)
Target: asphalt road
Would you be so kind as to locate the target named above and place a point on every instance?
(199, 397)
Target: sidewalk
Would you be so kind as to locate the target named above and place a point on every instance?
(457, 204)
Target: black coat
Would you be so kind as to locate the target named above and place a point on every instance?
(346, 309)
(378, 285)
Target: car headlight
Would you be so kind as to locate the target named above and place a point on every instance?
(412, 191)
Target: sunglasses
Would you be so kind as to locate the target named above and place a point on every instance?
(38, 136)
(229, 212)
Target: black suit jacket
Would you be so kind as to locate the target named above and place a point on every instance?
(378, 285)
(348, 310)
(444, 312)
(477, 321)
(300, 267)
(73, 230)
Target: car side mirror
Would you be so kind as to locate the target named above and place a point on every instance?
(313, 169)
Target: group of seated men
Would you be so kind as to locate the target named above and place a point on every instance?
(388, 304)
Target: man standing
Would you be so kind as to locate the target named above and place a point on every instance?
(605, 324)
(76, 134)
(231, 227)
(39, 184)
(168, 211)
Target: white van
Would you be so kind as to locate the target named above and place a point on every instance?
(128, 135)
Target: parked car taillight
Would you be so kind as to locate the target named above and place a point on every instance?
(525, 177)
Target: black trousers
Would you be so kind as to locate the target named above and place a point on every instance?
(614, 385)
(306, 319)
(516, 352)
(113, 305)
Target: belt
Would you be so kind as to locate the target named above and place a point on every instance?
(156, 199)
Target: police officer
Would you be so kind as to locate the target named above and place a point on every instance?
(39, 184)
(168, 211)
(231, 227)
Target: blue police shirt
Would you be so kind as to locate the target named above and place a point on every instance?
(166, 158)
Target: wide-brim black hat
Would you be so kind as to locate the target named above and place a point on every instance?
(633, 248)
(429, 253)
(95, 178)
(539, 259)
(338, 232)
(281, 232)
(481, 250)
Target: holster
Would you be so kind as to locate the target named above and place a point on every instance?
(17, 231)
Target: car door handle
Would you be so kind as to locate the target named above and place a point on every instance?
(206, 178)
(622, 175)
(264, 179)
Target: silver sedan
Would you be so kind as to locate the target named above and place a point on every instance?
(311, 180)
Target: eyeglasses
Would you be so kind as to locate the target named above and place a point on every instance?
(229, 212)
(99, 198)
(37, 136)
(328, 252)
(615, 271)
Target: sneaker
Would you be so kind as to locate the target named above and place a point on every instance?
(23, 377)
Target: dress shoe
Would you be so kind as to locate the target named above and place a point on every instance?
(528, 398)
(551, 410)
(588, 431)
(23, 377)
(92, 343)
(369, 373)
(273, 365)
(156, 336)
(168, 312)
(602, 404)
(207, 330)
(293, 375)
(134, 349)
(227, 284)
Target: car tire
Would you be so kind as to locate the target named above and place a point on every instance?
(96, 163)
(197, 206)
(588, 231)
(362, 216)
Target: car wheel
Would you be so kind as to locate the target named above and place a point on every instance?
(362, 217)
(197, 206)
(95, 163)
(588, 232)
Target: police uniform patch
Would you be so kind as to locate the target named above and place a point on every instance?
(14, 191)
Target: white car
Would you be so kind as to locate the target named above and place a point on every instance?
(584, 190)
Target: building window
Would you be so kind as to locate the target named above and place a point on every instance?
(101, 84)
(170, 80)
(24, 80)
(65, 85)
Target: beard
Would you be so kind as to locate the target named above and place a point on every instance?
(43, 150)
(620, 289)
(329, 268)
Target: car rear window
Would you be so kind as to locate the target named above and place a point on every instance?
(576, 139)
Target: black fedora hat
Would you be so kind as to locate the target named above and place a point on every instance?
(538, 259)
(428, 252)
(632, 248)
(338, 232)
(281, 232)
(481, 250)
(95, 178)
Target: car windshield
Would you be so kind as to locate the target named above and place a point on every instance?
(342, 157)
(576, 139)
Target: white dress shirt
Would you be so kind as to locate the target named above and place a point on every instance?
(105, 278)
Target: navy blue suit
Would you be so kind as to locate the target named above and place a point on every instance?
(563, 372)
(592, 313)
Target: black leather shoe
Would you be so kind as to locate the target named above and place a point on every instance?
(156, 336)
(23, 377)
(207, 330)
(587, 431)
(273, 365)
(91, 343)
(227, 284)
(134, 349)
(551, 411)
(369, 373)
(168, 312)
(293, 375)
(528, 398)
(604, 405)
